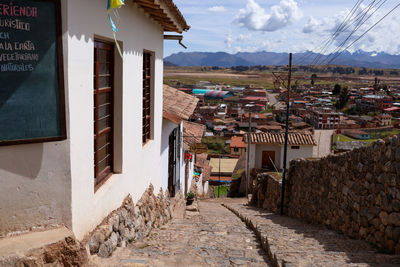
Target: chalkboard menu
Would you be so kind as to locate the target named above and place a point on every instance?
(31, 75)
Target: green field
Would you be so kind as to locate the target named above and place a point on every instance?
(220, 191)
(216, 145)
(374, 136)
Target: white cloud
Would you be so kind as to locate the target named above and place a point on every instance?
(254, 17)
(312, 25)
(229, 40)
(243, 38)
(381, 38)
(217, 9)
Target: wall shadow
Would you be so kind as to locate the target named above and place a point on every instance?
(357, 251)
(22, 160)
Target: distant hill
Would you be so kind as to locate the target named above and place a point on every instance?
(169, 64)
(222, 59)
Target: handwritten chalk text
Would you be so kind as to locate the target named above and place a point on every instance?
(15, 24)
(19, 57)
(16, 67)
(13, 10)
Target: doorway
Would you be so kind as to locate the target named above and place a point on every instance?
(268, 160)
(174, 156)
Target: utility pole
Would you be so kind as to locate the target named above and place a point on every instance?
(219, 168)
(286, 135)
(248, 158)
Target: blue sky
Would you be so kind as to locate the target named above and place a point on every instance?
(280, 26)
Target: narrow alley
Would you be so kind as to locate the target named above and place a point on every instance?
(214, 236)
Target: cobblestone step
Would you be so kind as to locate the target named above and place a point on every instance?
(213, 236)
(290, 242)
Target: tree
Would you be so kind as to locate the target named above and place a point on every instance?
(376, 84)
(337, 89)
(313, 77)
(343, 98)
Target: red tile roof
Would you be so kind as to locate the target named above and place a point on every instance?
(237, 142)
(177, 104)
(256, 115)
(279, 138)
(256, 98)
(192, 133)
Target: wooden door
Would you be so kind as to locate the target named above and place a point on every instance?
(172, 164)
(267, 157)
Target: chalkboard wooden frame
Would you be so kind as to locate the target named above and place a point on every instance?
(60, 70)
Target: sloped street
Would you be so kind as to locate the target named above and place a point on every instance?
(214, 236)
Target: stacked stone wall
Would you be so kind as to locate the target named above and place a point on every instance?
(134, 222)
(267, 192)
(357, 193)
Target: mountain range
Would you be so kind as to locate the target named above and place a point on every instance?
(222, 59)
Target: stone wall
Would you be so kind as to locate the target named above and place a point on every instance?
(357, 193)
(134, 222)
(267, 192)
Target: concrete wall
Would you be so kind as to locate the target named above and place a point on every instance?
(304, 152)
(324, 143)
(137, 166)
(240, 152)
(35, 184)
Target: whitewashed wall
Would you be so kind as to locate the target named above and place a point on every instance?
(35, 184)
(303, 152)
(258, 154)
(52, 183)
(167, 128)
(138, 165)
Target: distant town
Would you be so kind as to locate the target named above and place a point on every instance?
(328, 114)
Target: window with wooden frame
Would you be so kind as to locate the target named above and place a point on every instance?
(146, 112)
(103, 94)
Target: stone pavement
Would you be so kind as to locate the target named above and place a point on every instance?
(290, 242)
(212, 237)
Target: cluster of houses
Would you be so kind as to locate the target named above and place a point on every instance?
(231, 113)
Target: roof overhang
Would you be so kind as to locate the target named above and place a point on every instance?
(172, 117)
(166, 13)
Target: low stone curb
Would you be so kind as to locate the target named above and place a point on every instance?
(276, 260)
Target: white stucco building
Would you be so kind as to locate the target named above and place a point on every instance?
(177, 108)
(114, 120)
(267, 149)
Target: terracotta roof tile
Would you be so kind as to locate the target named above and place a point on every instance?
(178, 103)
(279, 138)
(237, 141)
(192, 133)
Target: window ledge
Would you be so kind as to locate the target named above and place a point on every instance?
(147, 144)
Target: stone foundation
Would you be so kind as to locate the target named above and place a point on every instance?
(267, 193)
(57, 247)
(357, 193)
(133, 222)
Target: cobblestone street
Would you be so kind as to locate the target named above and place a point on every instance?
(212, 237)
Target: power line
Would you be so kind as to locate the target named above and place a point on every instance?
(352, 33)
(320, 48)
(338, 31)
(373, 26)
(359, 23)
